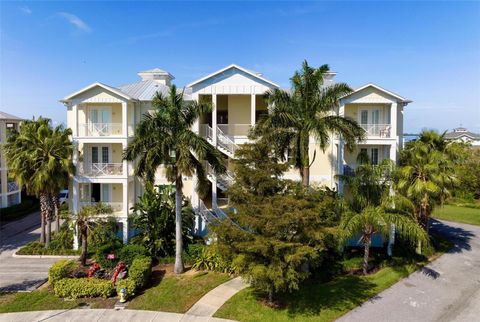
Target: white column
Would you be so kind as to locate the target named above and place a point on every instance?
(214, 118)
(214, 193)
(253, 109)
(393, 121)
(125, 230)
(124, 119)
(75, 199)
(124, 162)
(75, 120)
(341, 109)
(196, 125)
(393, 152)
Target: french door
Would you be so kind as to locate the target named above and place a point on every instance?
(100, 121)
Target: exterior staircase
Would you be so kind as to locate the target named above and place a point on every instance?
(224, 142)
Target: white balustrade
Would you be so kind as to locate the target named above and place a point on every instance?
(102, 129)
(379, 130)
(12, 186)
(100, 169)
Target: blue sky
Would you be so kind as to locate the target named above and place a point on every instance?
(426, 51)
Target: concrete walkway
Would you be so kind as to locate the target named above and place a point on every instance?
(21, 274)
(213, 300)
(448, 289)
(103, 315)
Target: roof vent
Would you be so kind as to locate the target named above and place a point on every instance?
(158, 75)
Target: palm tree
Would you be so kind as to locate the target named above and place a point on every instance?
(84, 224)
(39, 158)
(307, 110)
(427, 173)
(165, 138)
(371, 210)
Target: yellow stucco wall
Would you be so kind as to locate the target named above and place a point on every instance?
(117, 192)
(239, 109)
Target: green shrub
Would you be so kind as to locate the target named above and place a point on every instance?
(209, 259)
(101, 257)
(128, 253)
(36, 248)
(60, 270)
(138, 276)
(83, 287)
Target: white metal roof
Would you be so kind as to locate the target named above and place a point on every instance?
(254, 74)
(10, 117)
(144, 90)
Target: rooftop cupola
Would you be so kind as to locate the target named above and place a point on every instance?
(158, 75)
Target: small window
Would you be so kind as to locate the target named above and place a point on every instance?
(364, 117)
(374, 156)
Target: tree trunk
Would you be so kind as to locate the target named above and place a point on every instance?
(56, 213)
(178, 225)
(43, 214)
(83, 257)
(306, 176)
(366, 254)
(49, 232)
(270, 297)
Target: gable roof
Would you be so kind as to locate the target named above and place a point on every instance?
(106, 87)
(459, 134)
(359, 89)
(249, 72)
(10, 117)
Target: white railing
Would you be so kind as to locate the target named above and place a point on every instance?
(205, 213)
(226, 142)
(235, 129)
(380, 130)
(116, 206)
(12, 186)
(100, 169)
(225, 179)
(206, 131)
(100, 129)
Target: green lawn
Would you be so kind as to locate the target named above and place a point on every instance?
(460, 214)
(317, 301)
(177, 293)
(43, 299)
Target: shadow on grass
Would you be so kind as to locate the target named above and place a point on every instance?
(459, 236)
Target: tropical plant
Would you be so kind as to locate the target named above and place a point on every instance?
(279, 231)
(427, 174)
(165, 138)
(308, 110)
(39, 158)
(372, 210)
(85, 221)
(154, 217)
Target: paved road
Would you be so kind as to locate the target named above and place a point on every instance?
(21, 274)
(446, 290)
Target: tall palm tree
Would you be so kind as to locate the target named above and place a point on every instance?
(305, 111)
(427, 173)
(371, 210)
(39, 158)
(84, 224)
(165, 138)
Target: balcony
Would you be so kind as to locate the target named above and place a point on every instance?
(100, 169)
(103, 129)
(377, 130)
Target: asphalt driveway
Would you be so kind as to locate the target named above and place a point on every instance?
(21, 274)
(448, 289)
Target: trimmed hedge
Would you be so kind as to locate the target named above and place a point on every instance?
(128, 253)
(60, 270)
(83, 287)
(138, 276)
(37, 248)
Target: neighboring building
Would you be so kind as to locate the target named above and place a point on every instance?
(103, 119)
(461, 134)
(10, 193)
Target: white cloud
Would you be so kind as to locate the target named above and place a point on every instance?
(26, 10)
(75, 21)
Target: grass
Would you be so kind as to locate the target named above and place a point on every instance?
(464, 215)
(177, 293)
(317, 301)
(43, 299)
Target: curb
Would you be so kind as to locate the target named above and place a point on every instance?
(44, 256)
